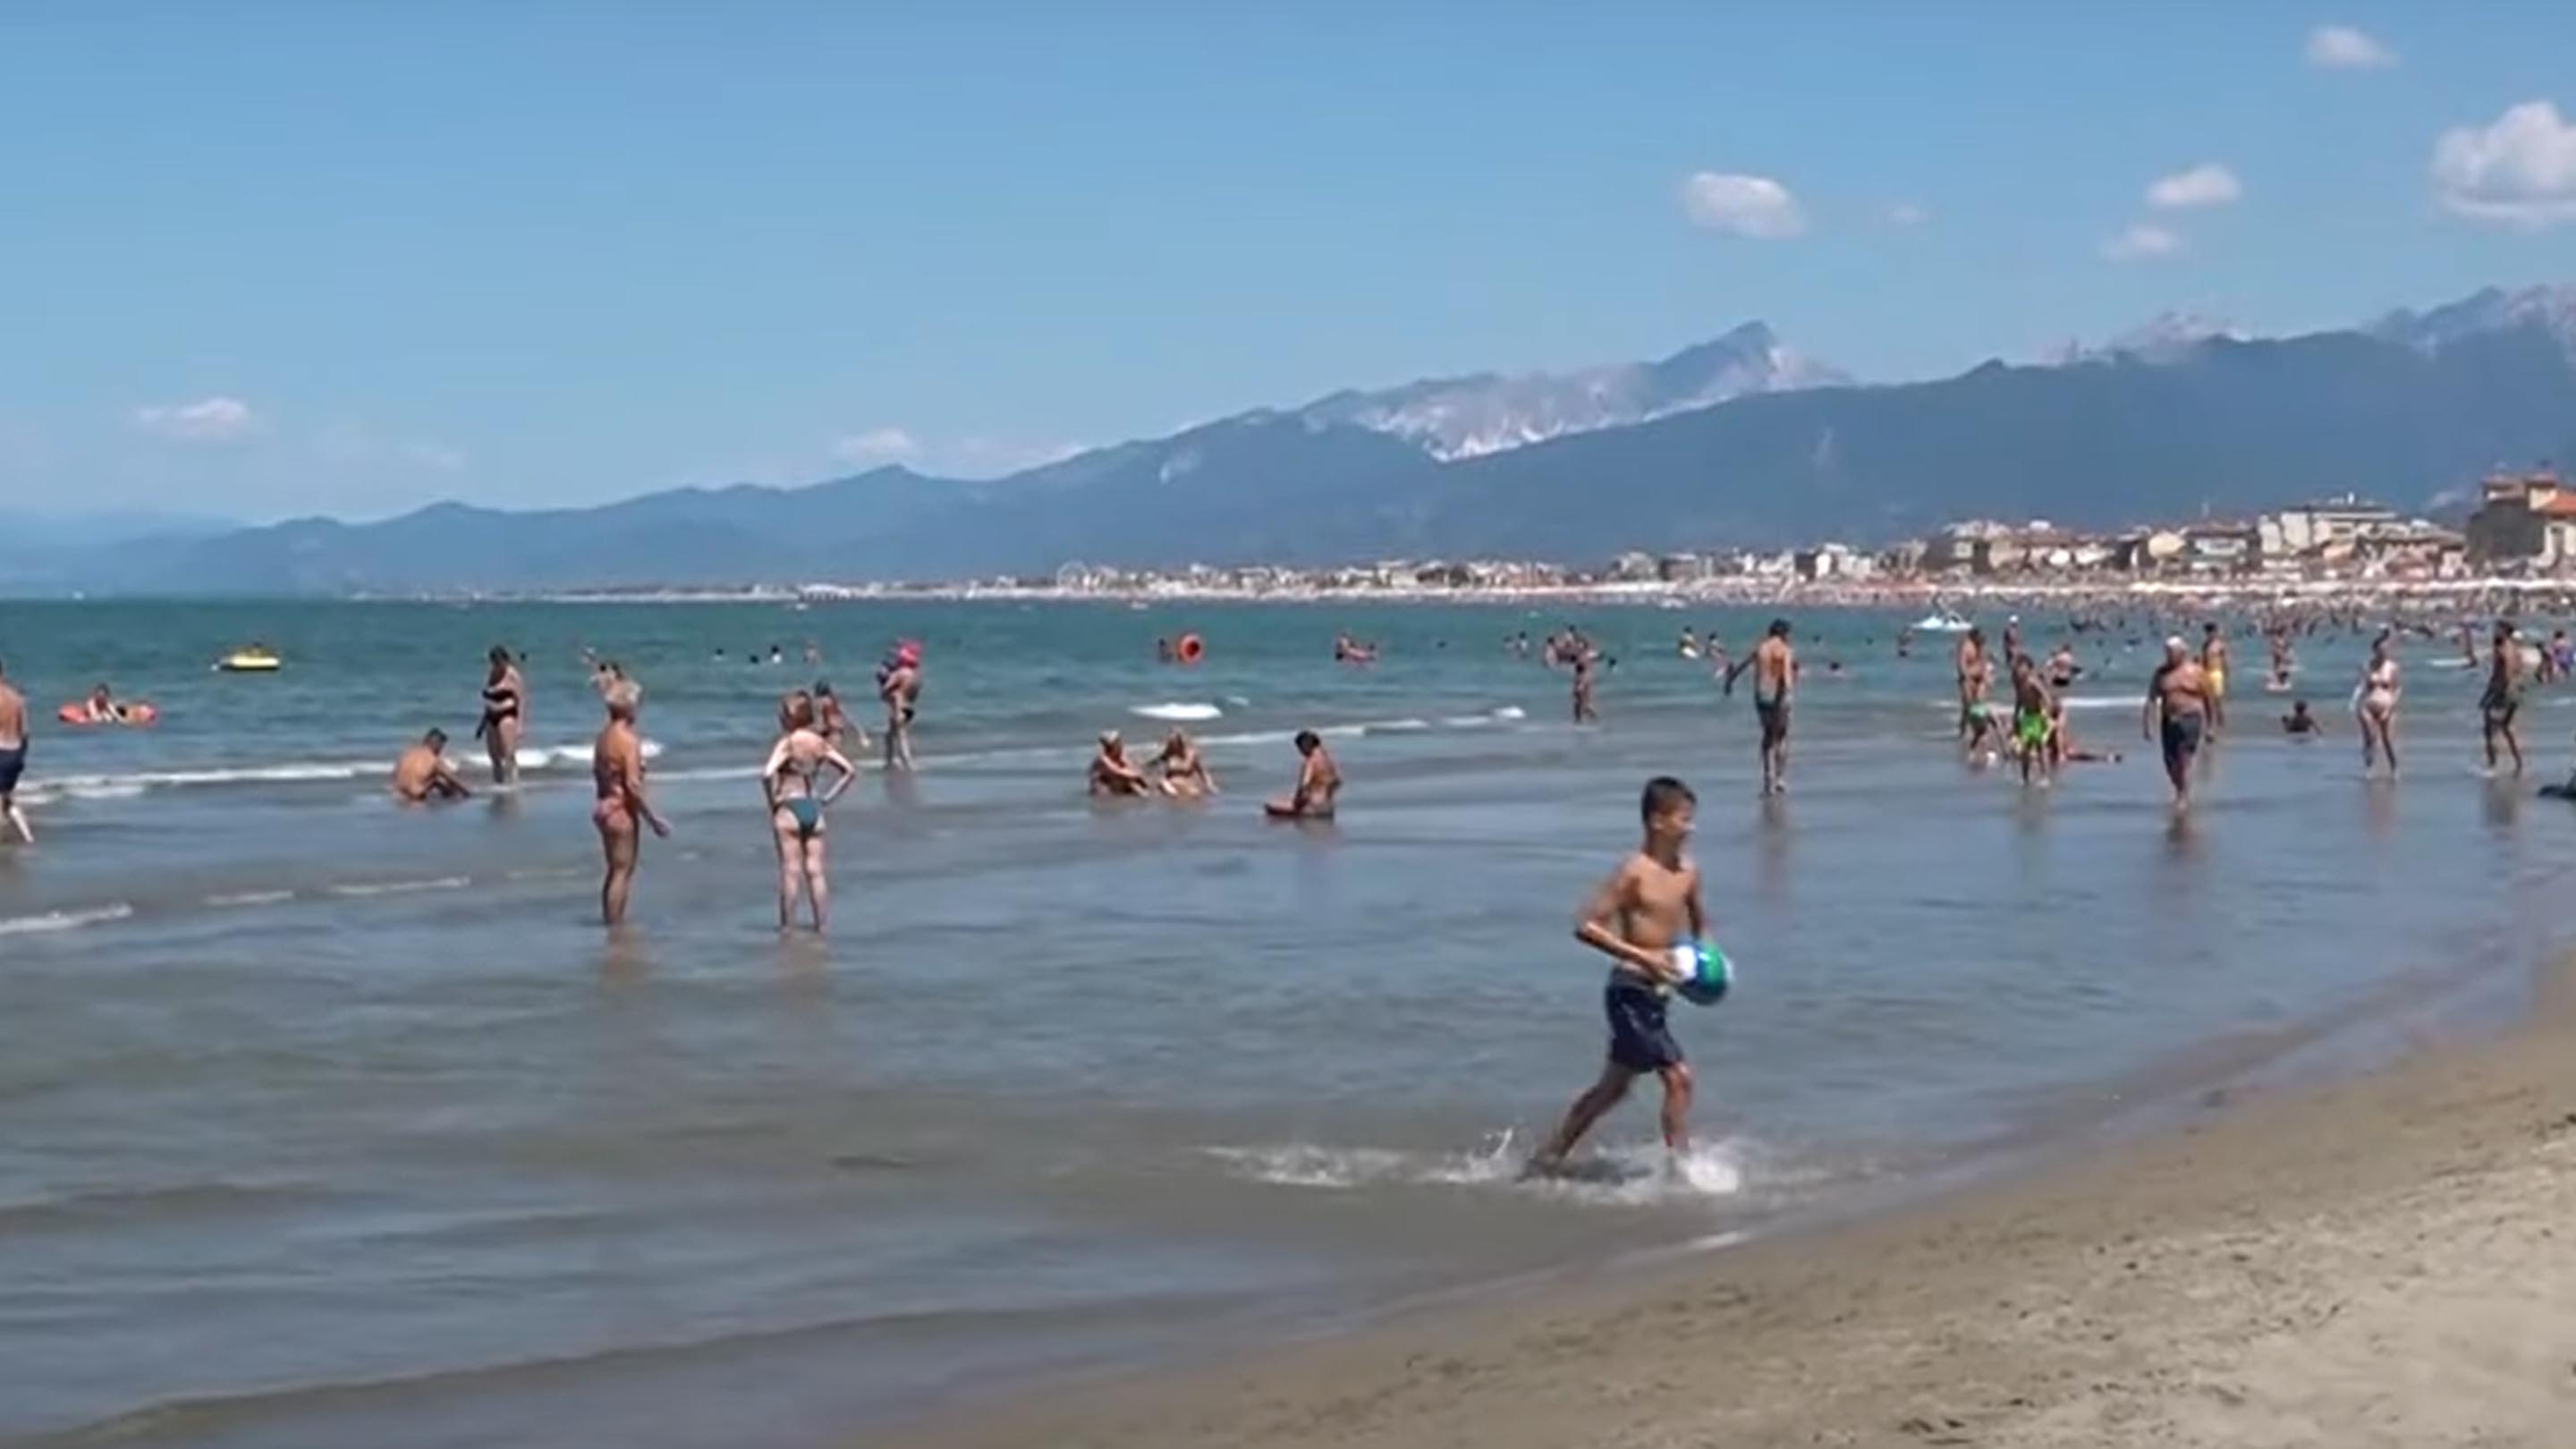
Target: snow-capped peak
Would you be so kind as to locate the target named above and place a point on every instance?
(1464, 417)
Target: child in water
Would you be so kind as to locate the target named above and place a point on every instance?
(1649, 905)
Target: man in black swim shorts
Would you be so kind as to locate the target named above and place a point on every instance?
(13, 756)
(1775, 676)
(2176, 715)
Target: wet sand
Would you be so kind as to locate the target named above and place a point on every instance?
(2389, 1261)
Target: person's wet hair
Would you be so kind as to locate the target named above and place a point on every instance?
(1663, 795)
(1308, 742)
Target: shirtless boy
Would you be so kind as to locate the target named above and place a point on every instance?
(1648, 905)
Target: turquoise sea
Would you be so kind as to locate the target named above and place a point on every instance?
(331, 1123)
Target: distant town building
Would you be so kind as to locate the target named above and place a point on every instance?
(2319, 527)
(2525, 521)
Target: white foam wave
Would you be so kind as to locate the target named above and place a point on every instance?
(64, 920)
(402, 887)
(1177, 711)
(1511, 712)
(1396, 727)
(1622, 1176)
(250, 898)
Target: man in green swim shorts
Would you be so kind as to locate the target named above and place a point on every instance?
(2034, 722)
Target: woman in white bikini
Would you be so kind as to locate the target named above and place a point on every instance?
(2374, 702)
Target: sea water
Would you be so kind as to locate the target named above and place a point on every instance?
(330, 1122)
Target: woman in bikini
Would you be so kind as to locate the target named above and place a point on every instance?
(503, 703)
(790, 783)
(617, 776)
(1185, 775)
(2375, 704)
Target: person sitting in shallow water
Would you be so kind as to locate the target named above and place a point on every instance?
(423, 774)
(1185, 775)
(2299, 723)
(1112, 775)
(1319, 784)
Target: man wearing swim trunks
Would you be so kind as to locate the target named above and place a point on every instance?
(1649, 905)
(2502, 700)
(2176, 715)
(13, 757)
(1974, 673)
(2213, 673)
(2033, 722)
(1775, 674)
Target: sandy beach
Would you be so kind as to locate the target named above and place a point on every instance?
(2379, 1262)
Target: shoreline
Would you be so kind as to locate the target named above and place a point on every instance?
(1726, 593)
(2370, 1261)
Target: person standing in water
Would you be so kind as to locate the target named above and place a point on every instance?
(899, 688)
(1775, 675)
(621, 809)
(1648, 906)
(1584, 713)
(2375, 706)
(2034, 722)
(13, 757)
(790, 783)
(2213, 674)
(504, 703)
(2502, 701)
(1973, 676)
(2176, 714)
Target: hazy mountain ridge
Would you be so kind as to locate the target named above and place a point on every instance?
(1469, 417)
(2187, 418)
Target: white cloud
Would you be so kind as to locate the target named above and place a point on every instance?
(1907, 214)
(877, 445)
(2519, 171)
(2143, 243)
(1753, 206)
(2340, 47)
(2208, 184)
(207, 420)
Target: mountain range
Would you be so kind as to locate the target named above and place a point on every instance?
(1737, 442)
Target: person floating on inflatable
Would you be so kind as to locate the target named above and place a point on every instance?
(104, 708)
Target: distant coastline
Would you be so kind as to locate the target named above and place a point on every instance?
(1882, 593)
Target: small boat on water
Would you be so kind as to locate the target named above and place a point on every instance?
(257, 659)
(1944, 622)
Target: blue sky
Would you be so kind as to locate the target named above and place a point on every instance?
(264, 259)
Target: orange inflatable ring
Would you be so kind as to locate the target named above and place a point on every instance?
(1191, 649)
